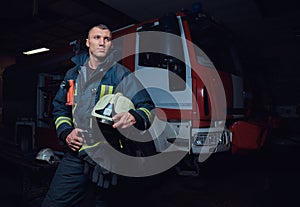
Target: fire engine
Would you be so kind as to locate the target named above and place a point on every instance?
(189, 64)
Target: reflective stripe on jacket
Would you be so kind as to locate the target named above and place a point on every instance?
(109, 77)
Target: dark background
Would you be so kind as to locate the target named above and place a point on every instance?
(267, 32)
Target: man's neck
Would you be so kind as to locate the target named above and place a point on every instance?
(93, 63)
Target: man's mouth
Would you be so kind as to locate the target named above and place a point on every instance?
(101, 49)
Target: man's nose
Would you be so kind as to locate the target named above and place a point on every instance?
(101, 41)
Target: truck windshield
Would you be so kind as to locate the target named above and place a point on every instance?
(176, 67)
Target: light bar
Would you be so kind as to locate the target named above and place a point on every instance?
(30, 52)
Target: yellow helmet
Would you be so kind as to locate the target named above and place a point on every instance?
(109, 105)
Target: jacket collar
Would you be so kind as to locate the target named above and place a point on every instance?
(82, 58)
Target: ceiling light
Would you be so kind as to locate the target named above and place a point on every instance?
(30, 52)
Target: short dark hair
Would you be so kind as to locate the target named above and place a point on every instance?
(100, 26)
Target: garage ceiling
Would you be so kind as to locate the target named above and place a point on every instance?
(30, 24)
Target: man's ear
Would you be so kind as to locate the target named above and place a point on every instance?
(87, 42)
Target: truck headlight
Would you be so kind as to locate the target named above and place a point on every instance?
(212, 138)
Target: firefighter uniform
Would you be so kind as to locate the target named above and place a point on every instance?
(72, 107)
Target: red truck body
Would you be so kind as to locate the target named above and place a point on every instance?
(199, 93)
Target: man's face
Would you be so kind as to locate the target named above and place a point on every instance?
(99, 42)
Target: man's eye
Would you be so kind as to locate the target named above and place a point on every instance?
(107, 39)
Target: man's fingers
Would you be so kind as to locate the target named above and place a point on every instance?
(119, 120)
(78, 140)
(123, 120)
(73, 141)
(75, 146)
(117, 116)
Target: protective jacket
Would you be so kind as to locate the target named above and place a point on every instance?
(109, 77)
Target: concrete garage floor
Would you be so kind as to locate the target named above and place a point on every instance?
(265, 178)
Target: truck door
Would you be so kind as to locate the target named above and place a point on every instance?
(162, 63)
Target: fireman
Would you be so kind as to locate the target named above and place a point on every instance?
(95, 75)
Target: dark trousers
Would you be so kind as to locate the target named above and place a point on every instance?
(70, 187)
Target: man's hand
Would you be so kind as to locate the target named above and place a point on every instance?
(123, 120)
(73, 140)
